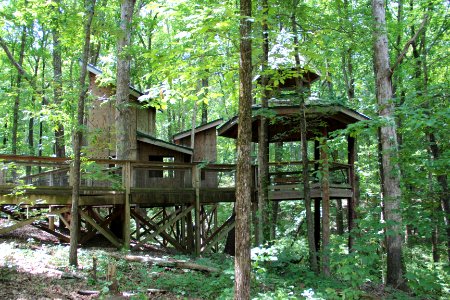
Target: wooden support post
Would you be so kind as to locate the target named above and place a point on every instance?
(325, 206)
(51, 219)
(127, 179)
(196, 186)
(351, 205)
(317, 200)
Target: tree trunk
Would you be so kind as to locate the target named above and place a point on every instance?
(75, 222)
(57, 86)
(304, 146)
(125, 114)
(205, 86)
(15, 125)
(263, 138)
(243, 166)
(325, 205)
(389, 148)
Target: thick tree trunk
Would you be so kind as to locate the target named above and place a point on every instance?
(388, 139)
(125, 114)
(75, 221)
(263, 138)
(243, 166)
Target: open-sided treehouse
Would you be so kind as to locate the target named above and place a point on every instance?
(172, 192)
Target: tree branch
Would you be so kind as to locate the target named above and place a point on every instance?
(402, 54)
(14, 62)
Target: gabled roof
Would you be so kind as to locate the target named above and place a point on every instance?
(145, 138)
(96, 71)
(200, 128)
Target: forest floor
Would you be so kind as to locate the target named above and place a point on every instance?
(33, 265)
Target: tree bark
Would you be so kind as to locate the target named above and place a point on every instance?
(325, 205)
(205, 86)
(243, 166)
(125, 114)
(75, 221)
(263, 138)
(57, 85)
(389, 148)
(304, 146)
(15, 124)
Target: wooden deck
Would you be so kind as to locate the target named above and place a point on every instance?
(166, 201)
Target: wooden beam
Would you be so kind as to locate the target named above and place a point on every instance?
(161, 229)
(105, 232)
(29, 221)
(151, 225)
(218, 234)
(351, 207)
(127, 177)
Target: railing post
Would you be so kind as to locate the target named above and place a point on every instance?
(196, 186)
(126, 179)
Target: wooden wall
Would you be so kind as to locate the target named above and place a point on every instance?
(100, 121)
(205, 145)
(148, 178)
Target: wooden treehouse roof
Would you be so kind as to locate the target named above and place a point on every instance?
(198, 129)
(148, 139)
(284, 121)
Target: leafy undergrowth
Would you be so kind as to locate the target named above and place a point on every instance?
(32, 269)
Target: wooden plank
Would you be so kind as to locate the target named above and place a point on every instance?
(102, 223)
(60, 236)
(105, 232)
(29, 221)
(218, 234)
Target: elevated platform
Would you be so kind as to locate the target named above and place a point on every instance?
(164, 202)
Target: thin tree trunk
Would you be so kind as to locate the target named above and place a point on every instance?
(75, 221)
(339, 217)
(263, 139)
(57, 86)
(205, 86)
(125, 114)
(389, 148)
(243, 166)
(304, 146)
(15, 124)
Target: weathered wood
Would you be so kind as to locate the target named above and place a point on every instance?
(104, 231)
(127, 178)
(29, 221)
(151, 225)
(351, 206)
(170, 263)
(218, 234)
(102, 223)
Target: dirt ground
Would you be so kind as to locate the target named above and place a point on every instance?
(29, 269)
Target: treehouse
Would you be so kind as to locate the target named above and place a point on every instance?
(285, 114)
(171, 194)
